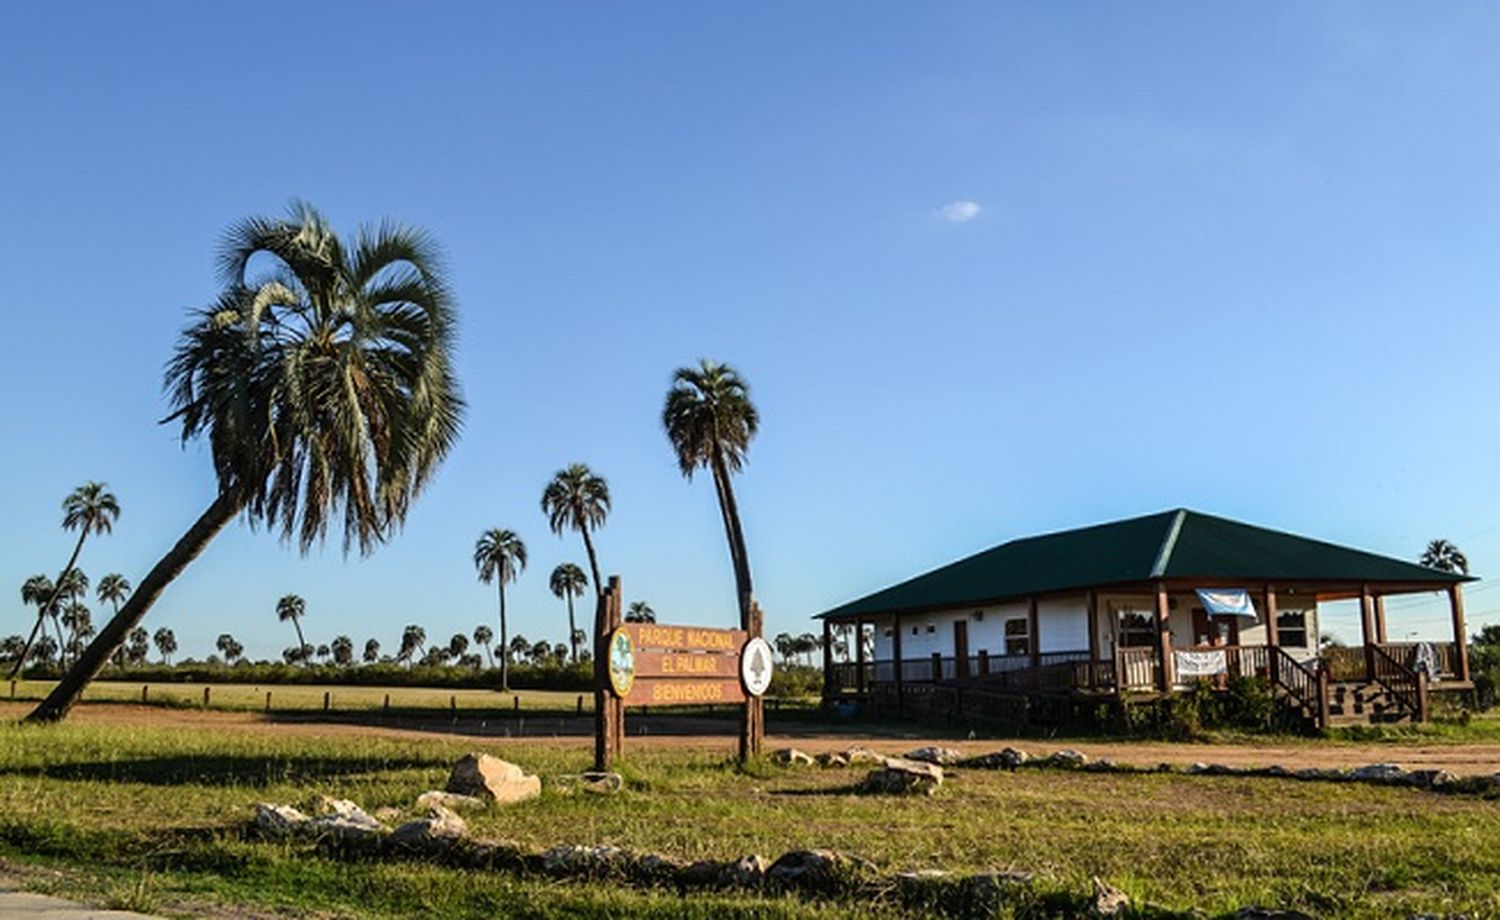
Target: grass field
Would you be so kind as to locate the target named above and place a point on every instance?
(310, 697)
(150, 817)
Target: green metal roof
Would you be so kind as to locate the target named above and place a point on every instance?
(1173, 544)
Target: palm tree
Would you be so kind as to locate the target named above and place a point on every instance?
(324, 388)
(483, 636)
(499, 555)
(519, 646)
(112, 589)
(568, 582)
(90, 508)
(74, 584)
(229, 648)
(38, 590)
(137, 645)
(80, 623)
(372, 651)
(291, 607)
(577, 499)
(1444, 556)
(541, 652)
(412, 640)
(343, 650)
(166, 643)
(640, 612)
(710, 421)
(458, 645)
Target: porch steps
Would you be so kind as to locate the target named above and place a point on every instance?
(1363, 703)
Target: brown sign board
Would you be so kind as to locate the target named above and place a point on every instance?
(654, 664)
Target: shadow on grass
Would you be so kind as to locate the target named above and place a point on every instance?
(217, 770)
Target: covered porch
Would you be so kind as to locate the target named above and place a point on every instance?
(1152, 639)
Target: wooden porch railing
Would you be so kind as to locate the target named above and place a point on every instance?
(1307, 688)
(1135, 668)
(1446, 654)
(1405, 686)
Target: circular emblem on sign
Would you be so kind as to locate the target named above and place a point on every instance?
(755, 666)
(621, 662)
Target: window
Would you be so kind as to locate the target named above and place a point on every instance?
(1017, 636)
(914, 630)
(1291, 628)
(1136, 630)
(931, 628)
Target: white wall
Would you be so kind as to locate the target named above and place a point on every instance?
(1063, 625)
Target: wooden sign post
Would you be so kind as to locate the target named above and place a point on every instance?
(652, 664)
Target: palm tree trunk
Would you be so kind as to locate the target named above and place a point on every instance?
(737, 551)
(588, 546)
(301, 642)
(55, 707)
(504, 643)
(572, 628)
(41, 612)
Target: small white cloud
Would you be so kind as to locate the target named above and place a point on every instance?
(959, 211)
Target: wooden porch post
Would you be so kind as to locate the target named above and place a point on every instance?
(1031, 627)
(1380, 619)
(1460, 631)
(859, 657)
(1093, 626)
(1164, 677)
(827, 661)
(896, 654)
(1367, 628)
(1272, 639)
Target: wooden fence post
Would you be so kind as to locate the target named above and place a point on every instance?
(609, 710)
(145, 693)
(453, 705)
(268, 701)
(580, 704)
(205, 696)
(327, 700)
(387, 704)
(753, 722)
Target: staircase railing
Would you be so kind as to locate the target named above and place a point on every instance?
(1307, 688)
(1407, 687)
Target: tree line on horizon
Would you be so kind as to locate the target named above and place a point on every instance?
(325, 392)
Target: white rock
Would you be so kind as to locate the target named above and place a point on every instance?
(486, 777)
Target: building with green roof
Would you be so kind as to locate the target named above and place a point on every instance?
(1152, 604)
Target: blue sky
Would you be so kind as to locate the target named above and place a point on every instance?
(1238, 258)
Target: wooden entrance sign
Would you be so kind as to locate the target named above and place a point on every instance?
(652, 664)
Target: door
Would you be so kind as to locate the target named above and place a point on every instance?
(961, 649)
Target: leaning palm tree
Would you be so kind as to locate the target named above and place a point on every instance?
(568, 582)
(1444, 556)
(499, 556)
(324, 387)
(578, 499)
(710, 421)
(293, 608)
(90, 508)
